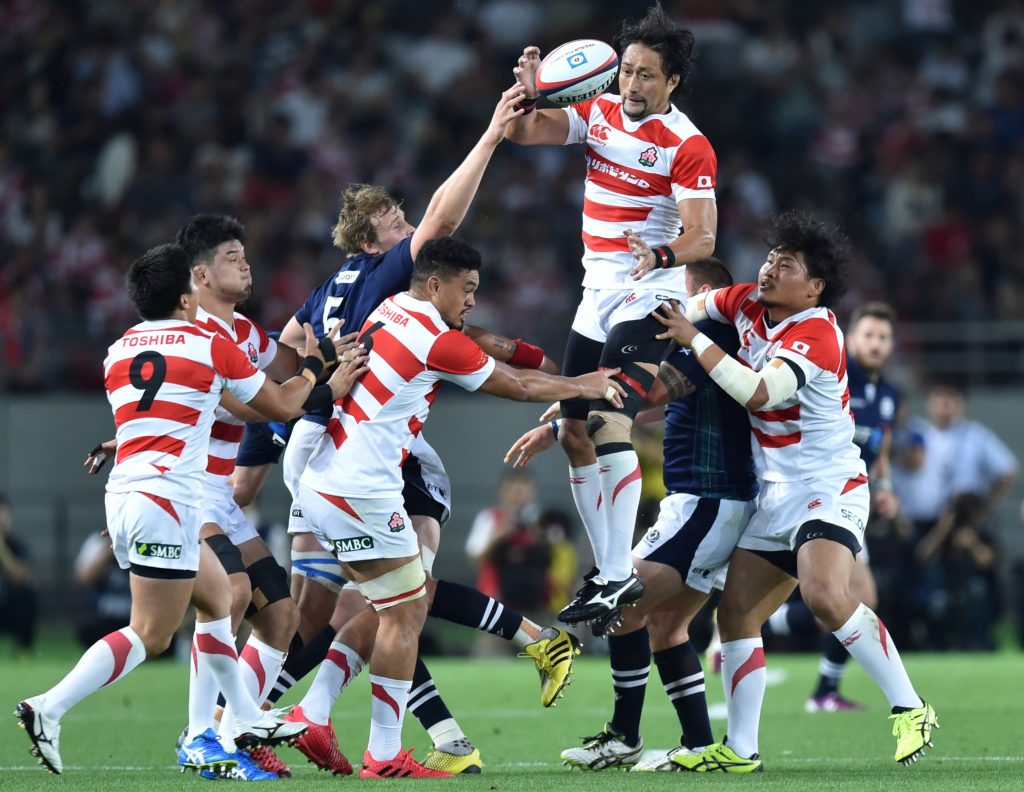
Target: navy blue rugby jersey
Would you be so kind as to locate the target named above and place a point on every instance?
(361, 284)
(707, 434)
(874, 405)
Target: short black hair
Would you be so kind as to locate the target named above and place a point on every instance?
(204, 233)
(659, 33)
(157, 279)
(445, 257)
(825, 247)
(875, 310)
(709, 272)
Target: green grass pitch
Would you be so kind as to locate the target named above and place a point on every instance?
(123, 738)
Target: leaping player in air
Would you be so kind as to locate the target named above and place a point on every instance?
(649, 209)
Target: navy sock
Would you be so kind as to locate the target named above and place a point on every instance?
(300, 663)
(683, 678)
(631, 663)
(836, 655)
(466, 606)
(424, 700)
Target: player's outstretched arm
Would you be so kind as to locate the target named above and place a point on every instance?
(514, 351)
(535, 127)
(755, 390)
(451, 200)
(536, 441)
(528, 385)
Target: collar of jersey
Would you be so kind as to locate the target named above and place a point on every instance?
(203, 315)
(773, 331)
(407, 301)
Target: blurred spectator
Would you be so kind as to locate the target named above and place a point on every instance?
(493, 527)
(960, 594)
(556, 528)
(109, 597)
(18, 613)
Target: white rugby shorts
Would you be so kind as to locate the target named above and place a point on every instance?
(359, 529)
(695, 536)
(784, 506)
(601, 309)
(151, 531)
(221, 509)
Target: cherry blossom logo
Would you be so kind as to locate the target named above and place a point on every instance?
(396, 523)
(649, 156)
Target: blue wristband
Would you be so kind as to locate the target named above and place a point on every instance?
(554, 428)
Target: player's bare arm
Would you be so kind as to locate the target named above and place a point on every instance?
(451, 201)
(538, 127)
(530, 385)
(699, 219)
(514, 351)
(755, 390)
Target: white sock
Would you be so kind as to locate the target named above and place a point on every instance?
(586, 492)
(778, 621)
(337, 670)
(620, 480)
(868, 642)
(103, 663)
(744, 679)
(261, 664)
(387, 710)
(216, 645)
(202, 693)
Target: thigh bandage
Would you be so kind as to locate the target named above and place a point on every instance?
(404, 584)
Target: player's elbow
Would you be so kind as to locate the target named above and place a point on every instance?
(704, 244)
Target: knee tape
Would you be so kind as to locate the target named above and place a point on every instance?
(269, 584)
(404, 584)
(320, 567)
(637, 382)
(609, 428)
(229, 556)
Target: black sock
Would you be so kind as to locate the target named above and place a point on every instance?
(300, 663)
(683, 678)
(834, 658)
(424, 700)
(631, 663)
(466, 606)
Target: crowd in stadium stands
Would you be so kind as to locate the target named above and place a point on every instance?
(903, 121)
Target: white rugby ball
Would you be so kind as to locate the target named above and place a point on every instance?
(576, 71)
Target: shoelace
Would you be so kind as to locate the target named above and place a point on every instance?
(599, 739)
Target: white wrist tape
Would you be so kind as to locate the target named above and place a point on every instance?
(699, 343)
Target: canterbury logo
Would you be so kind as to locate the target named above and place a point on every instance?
(851, 639)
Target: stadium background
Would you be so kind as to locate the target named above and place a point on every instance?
(903, 120)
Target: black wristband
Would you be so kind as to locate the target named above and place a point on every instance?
(313, 363)
(320, 396)
(328, 351)
(526, 105)
(665, 256)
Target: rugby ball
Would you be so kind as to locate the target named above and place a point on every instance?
(576, 71)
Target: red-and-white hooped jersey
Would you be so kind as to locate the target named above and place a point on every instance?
(810, 435)
(163, 381)
(637, 173)
(412, 351)
(226, 434)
